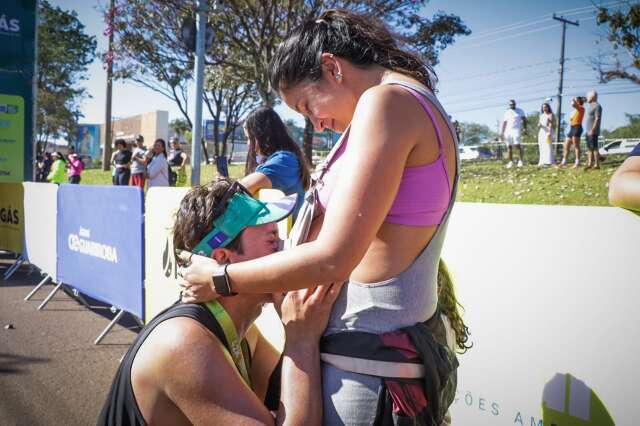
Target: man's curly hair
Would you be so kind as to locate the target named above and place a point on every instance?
(195, 217)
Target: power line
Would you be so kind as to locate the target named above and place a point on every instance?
(508, 37)
(522, 93)
(539, 98)
(538, 19)
(518, 68)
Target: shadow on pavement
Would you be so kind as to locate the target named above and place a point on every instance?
(17, 364)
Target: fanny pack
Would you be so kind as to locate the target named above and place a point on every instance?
(417, 368)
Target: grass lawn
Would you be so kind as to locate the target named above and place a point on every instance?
(489, 182)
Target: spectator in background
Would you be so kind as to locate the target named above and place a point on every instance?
(274, 160)
(44, 167)
(57, 173)
(139, 163)
(624, 187)
(178, 162)
(122, 162)
(514, 123)
(594, 118)
(113, 167)
(574, 133)
(75, 165)
(157, 165)
(545, 136)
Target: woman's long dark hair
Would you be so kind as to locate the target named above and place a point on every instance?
(164, 147)
(362, 40)
(267, 131)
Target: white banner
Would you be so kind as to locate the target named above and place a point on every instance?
(40, 225)
(160, 283)
(546, 290)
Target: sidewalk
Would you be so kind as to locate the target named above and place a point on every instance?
(50, 370)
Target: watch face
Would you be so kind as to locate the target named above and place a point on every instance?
(221, 282)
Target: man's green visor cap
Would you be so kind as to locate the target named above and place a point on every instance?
(241, 212)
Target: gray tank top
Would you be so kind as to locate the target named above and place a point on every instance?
(411, 296)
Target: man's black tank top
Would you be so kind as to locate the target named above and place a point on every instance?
(121, 408)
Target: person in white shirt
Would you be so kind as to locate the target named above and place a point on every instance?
(157, 164)
(514, 124)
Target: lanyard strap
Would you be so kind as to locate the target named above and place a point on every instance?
(230, 333)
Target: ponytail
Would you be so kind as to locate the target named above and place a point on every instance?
(449, 307)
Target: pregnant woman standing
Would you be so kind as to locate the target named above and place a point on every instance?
(385, 196)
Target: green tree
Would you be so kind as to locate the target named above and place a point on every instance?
(247, 33)
(179, 126)
(630, 131)
(228, 99)
(624, 34)
(64, 54)
(475, 133)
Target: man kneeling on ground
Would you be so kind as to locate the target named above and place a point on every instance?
(208, 363)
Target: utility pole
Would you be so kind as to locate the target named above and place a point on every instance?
(564, 33)
(196, 135)
(106, 151)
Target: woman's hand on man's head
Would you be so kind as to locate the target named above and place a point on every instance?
(196, 273)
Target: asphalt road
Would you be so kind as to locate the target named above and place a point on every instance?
(51, 373)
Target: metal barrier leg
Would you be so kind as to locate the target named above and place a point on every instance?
(109, 327)
(139, 321)
(80, 299)
(36, 288)
(50, 296)
(13, 268)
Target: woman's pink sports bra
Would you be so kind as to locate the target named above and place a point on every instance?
(424, 193)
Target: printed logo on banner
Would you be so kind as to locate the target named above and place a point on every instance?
(81, 242)
(169, 266)
(10, 215)
(566, 401)
(9, 26)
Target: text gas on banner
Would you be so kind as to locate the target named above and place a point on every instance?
(11, 217)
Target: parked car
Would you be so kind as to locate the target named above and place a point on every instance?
(475, 153)
(622, 146)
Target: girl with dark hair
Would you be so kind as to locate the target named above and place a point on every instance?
(384, 200)
(122, 163)
(274, 160)
(157, 164)
(575, 132)
(545, 136)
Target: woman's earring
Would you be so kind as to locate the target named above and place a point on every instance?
(338, 77)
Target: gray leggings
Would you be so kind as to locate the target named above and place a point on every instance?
(348, 398)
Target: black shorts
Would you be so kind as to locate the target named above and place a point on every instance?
(576, 131)
(592, 141)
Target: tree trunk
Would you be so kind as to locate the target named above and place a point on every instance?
(307, 142)
(204, 148)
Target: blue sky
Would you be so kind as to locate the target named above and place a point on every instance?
(513, 52)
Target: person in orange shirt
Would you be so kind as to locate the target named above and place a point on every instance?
(575, 133)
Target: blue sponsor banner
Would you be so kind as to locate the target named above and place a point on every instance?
(100, 243)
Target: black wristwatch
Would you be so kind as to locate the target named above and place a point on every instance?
(221, 282)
